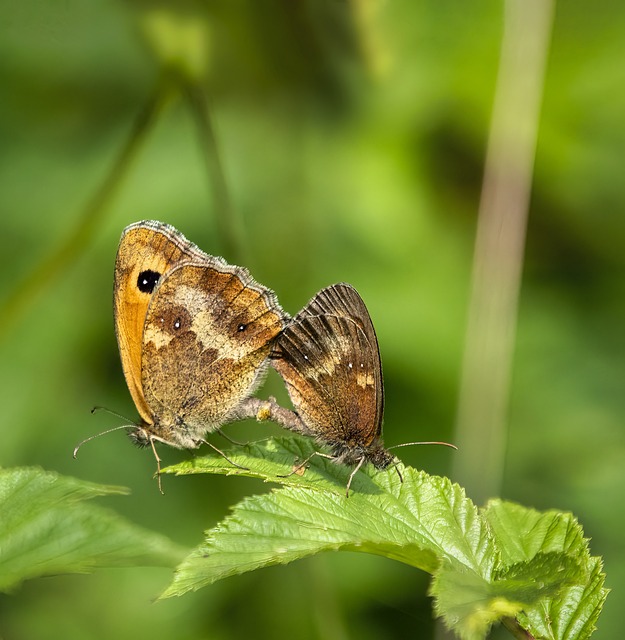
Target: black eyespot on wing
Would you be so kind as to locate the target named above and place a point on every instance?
(147, 280)
(174, 319)
(242, 327)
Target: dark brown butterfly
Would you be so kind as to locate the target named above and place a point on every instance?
(329, 358)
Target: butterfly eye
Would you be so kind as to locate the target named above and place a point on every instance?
(147, 280)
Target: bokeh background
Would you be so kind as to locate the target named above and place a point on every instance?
(351, 138)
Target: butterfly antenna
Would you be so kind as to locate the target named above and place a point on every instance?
(408, 444)
(97, 435)
(96, 409)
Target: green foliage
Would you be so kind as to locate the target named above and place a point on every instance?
(47, 528)
(488, 565)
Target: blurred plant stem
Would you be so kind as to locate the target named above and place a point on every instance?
(229, 224)
(499, 248)
(81, 235)
(181, 42)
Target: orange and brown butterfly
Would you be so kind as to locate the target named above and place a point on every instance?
(194, 334)
(329, 358)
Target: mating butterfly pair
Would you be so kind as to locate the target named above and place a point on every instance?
(196, 335)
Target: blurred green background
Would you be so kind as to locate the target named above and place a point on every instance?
(352, 138)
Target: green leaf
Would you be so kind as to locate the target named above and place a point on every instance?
(420, 521)
(545, 578)
(526, 534)
(504, 563)
(467, 603)
(573, 615)
(47, 528)
(470, 604)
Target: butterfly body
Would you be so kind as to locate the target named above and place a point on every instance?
(352, 453)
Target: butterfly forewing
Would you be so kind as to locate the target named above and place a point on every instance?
(147, 250)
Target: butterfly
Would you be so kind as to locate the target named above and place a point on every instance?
(329, 358)
(194, 334)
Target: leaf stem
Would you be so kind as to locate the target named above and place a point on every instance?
(516, 629)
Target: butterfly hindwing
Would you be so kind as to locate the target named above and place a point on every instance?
(329, 358)
(208, 335)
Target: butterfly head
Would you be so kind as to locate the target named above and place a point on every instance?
(353, 454)
(139, 435)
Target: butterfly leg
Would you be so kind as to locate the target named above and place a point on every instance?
(302, 465)
(352, 474)
(401, 478)
(223, 455)
(158, 465)
(231, 440)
